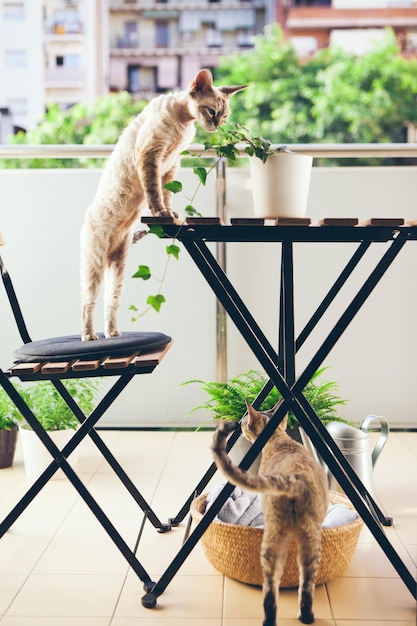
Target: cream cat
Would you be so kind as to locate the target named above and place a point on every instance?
(145, 157)
(294, 494)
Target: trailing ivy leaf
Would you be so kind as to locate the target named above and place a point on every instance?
(229, 151)
(249, 150)
(133, 308)
(143, 272)
(191, 211)
(174, 185)
(174, 250)
(156, 301)
(201, 172)
(156, 230)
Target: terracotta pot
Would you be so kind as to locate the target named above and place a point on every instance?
(8, 439)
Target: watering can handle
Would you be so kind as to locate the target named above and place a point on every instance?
(383, 436)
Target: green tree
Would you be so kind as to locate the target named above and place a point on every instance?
(334, 97)
(81, 124)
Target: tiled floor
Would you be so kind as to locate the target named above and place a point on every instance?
(59, 568)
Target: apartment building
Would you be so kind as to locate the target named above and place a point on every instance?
(354, 25)
(160, 45)
(50, 51)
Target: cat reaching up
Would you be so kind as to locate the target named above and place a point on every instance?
(144, 159)
(294, 494)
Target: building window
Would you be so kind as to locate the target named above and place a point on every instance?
(162, 34)
(16, 58)
(213, 38)
(17, 106)
(130, 38)
(133, 82)
(13, 11)
(69, 60)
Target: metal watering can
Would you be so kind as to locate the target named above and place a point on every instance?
(355, 444)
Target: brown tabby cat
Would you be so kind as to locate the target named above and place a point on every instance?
(145, 157)
(294, 494)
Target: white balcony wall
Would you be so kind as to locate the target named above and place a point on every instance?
(374, 362)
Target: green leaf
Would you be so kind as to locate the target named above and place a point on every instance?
(143, 272)
(174, 250)
(156, 301)
(201, 172)
(157, 230)
(133, 308)
(191, 211)
(174, 185)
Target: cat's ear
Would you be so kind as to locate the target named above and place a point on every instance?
(203, 80)
(253, 415)
(283, 422)
(229, 91)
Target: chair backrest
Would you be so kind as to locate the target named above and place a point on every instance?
(14, 303)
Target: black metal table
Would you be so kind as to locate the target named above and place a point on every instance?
(280, 365)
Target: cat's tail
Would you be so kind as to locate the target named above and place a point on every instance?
(279, 484)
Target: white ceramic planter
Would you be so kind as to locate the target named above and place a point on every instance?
(36, 457)
(280, 186)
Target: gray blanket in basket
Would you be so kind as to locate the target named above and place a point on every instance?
(245, 508)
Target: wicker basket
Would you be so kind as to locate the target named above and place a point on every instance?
(234, 550)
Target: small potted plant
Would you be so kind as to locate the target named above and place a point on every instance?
(9, 418)
(280, 178)
(55, 417)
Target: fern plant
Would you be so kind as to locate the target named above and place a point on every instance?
(227, 400)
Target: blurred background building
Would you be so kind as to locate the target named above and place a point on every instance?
(68, 51)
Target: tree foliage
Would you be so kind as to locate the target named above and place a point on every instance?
(334, 97)
(81, 124)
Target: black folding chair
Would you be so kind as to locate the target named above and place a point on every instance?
(59, 358)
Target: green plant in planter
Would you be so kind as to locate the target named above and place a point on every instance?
(51, 410)
(227, 400)
(9, 413)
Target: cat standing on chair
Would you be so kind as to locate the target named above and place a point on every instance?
(294, 494)
(145, 158)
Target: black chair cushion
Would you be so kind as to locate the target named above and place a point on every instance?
(71, 347)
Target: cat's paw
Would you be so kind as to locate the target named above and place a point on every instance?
(306, 618)
(89, 337)
(166, 213)
(112, 333)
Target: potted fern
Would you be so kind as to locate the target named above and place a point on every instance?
(228, 401)
(56, 418)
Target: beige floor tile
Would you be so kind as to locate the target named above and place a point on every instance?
(166, 621)
(371, 599)
(10, 585)
(113, 496)
(156, 552)
(54, 621)
(342, 622)
(370, 561)
(186, 597)
(67, 596)
(282, 622)
(81, 557)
